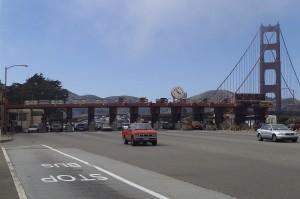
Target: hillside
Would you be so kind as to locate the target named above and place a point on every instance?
(212, 96)
(125, 98)
(90, 98)
(93, 98)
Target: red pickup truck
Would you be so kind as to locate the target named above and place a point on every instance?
(139, 133)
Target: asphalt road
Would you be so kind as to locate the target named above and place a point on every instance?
(194, 164)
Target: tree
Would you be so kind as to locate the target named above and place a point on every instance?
(37, 88)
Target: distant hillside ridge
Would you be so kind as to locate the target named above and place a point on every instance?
(73, 96)
(126, 98)
(212, 96)
(93, 98)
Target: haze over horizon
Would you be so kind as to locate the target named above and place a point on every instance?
(138, 48)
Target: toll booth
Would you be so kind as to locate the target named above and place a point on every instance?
(101, 117)
(122, 117)
(208, 115)
(144, 114)
(187, 117)
(80, 115)
(165, 118)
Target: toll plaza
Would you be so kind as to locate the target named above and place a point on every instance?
(161, 114)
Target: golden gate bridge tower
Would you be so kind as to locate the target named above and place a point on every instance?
(265, 70)
(270, 46)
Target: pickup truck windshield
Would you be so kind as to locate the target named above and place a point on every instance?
(140, 126)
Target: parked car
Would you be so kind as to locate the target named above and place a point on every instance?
(68, 127)
(166, 124)
(197, 125)
(139, 133)
(56, 127)
(294, 127)
(35, 128)
(98, 125)
(276, 132)
(48, 127)
(82, 127)
(125, 125)
(106, 127)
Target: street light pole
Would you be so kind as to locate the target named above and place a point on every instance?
(5, 97)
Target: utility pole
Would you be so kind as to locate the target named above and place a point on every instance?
(4, 101)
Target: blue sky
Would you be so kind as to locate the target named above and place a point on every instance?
(136, 47)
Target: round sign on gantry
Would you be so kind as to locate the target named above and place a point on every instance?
(178, 93)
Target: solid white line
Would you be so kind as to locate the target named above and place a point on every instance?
(22, 147)
(150, 192)
(15, 178)
(62, 153)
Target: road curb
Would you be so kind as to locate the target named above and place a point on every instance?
(8, 188)
(6, 139)
(16, 180)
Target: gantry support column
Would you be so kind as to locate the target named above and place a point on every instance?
(176, 116)
(91, 118)
(197, 114)
(155, 111)
(112, 115)
(219, 116)
(134, 114)
(69, 114)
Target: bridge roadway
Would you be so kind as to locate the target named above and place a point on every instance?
(191, 164)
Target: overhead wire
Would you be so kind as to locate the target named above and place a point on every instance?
(240, 60)
(252, 69)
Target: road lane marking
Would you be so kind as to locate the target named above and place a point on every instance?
(62, 164)
(22, 147)
(132, 184)
(15, 178)
(71, 178)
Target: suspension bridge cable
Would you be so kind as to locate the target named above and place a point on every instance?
(252, 41)
(250, 72)
(289, 57)
(252, 69)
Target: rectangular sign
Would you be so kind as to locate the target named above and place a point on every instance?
(123, 111)
(165, 111)
(144, 111)
(102, 111)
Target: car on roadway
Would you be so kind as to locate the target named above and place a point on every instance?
(106, 127)
(35, 128)
(68, 127)
(196, 125)
(82, 127)
(294, 126)
(56, 127)
(98, 125)
(276, 132)
(139, 133)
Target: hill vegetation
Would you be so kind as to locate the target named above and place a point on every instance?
(36, 87)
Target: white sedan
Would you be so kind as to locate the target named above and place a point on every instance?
(35, 128)
(276, 132)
